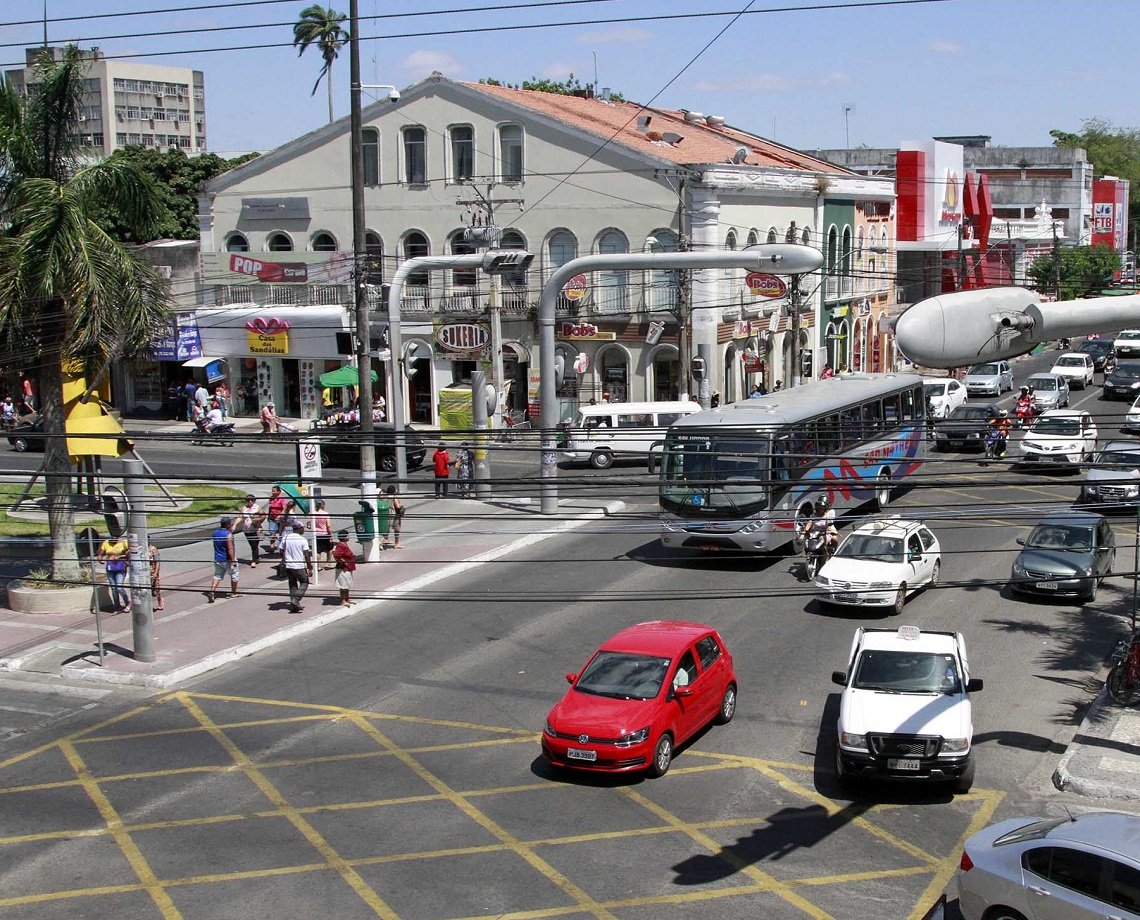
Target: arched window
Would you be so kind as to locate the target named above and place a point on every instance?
(511, 153)
(612, 286)
(323, 242)
(370, 150)
(832, 251)
(753, 238)
(562, 248)
(279, 242)
(236, 242)
(415, 155)
(773, 236)
(462, 277)
(415, 246)
(806, 237)
(846, 257)
(462, 153)
(374, 257)
(859, 244)
(516, 278)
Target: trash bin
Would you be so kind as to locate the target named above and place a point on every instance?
(364, 521)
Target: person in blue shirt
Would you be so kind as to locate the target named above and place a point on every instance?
(225, 558)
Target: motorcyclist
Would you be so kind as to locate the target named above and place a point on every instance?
(213, 418)
(999, 430)
(825, 514)
(1109, 363)
(1025, 406)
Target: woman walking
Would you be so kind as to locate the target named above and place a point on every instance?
(395, 516)
(113, 555)
(155, 576)
(465, 472)
(322, 525)
(250, 518)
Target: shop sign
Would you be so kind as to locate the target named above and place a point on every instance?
(181, 342)
(533, 391)
(309, 459)
(575, 288)
(269, 272)
(267, 336)
(585, 331)
(763, 284)
(951, 213)
(468, 338)
(742, 329)
(864, 308)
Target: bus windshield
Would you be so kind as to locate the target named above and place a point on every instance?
(715, 472)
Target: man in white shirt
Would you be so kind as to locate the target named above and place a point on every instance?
(202, 396)
(298, 560)
(214, 417)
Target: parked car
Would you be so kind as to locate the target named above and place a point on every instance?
(965, 427)
(340, 446)
(1076, 367)
(1050, 391)
(943, 395)
(1127, 343)
(990, 379)
(28, 434)
(1114, 476)
(642, 695)
(1097, 349)
(1075, 866)
(1066, 553)
(1059, 436)
(905, 711)
(1123, 382)
(880, 564)
(1132, 416)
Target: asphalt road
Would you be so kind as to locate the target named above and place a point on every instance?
(388, 767)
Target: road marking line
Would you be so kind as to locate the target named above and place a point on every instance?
(331, 857)
(126, 843)
(67, 894)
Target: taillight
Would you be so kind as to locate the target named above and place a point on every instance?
(965, 863)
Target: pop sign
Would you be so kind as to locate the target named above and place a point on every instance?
(581, 363)
(575, 288)
(761, 284)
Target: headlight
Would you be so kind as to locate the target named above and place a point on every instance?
(633, 737)
(1018, 570)
(1092, 490)
(880, 585)
(955, 745)
(753, 527)
(1135, 384)
(548, 729)
(822, 580)
(973, 435)
(1085, 573)
(849, 740)
(1131, 491)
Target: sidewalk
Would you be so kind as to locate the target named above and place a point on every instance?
(192, 636)
(1103, 759)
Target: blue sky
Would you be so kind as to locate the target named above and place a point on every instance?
(1012, 69)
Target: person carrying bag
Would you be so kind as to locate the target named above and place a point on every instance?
(113, 555)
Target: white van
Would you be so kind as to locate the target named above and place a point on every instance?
(603, 433)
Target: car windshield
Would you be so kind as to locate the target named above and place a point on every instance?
(934, 389)
(1121, 459)
(1070, 362)
(984, 370)
(1128, 334)
(907, 672)
(1042, 383)
(623, 676)
(1071, 537)
(1057, 426)
(1127, 371)
(871, 547)
(971, 414)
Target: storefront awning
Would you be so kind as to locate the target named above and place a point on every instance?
(346, 376)
(201, 362)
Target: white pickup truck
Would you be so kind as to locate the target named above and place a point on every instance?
(905, 712)
(1127, 344)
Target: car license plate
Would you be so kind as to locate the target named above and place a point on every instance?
(908, 766)
(1047, 585)
(579, 754)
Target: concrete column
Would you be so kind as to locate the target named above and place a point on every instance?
(704, 286)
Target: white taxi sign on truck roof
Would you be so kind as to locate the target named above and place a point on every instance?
(909, 633)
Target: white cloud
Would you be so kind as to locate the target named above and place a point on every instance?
(946, 47)
(623, 35)
(773, 83)
(420, 64)
(560, 71)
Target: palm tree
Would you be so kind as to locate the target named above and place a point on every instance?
(69, 293)
(321, 27)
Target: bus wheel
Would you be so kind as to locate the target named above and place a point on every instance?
(883, 489)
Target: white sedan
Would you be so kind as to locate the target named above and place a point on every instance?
(1076, 367)
(1132, 417)
(1060, 436)
(880, 564)
(943, 394)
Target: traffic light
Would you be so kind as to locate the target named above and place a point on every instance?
(116, 508)
(505, 261)
(698, 368)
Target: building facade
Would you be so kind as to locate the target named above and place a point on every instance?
(129, 103)
(559, 176)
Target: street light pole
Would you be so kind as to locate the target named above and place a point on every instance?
(360, 289)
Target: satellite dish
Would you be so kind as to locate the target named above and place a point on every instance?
(740, 155)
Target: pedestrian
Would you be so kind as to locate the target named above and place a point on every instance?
(202, 397)
(275, 516)
(441, 463)
(225, 557)
(779, 386)
(222, 395)
(322, 526)
(174, 406)
(298, 560)
(155, 576)
(395, 515)
(828, 372)
(269, 418)
(250, 518)
(113, 554)
(465, 470)
(8, 414)
(188, 391)
(345, 566)
(29, 391)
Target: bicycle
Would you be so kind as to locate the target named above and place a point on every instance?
(1123, 682)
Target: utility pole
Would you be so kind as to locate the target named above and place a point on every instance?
(1056, 264)
(794, 299)
(360, 292)
(142, 610)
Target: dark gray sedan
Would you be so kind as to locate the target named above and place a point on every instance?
(1068, 553)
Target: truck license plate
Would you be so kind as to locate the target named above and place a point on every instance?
(1047, 585)
(579, 754)
(912, 766)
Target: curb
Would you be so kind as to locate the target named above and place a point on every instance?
(244, 650)
(1065, 780)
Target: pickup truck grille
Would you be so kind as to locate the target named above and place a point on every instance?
(884, 745)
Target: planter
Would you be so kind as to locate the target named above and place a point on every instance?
(71, 599)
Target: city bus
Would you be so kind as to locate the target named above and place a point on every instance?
(744, 477)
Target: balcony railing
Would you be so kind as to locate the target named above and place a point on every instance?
(610, 299)
(463, 300)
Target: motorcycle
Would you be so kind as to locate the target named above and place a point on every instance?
(995, 444)
(815, 548)
(222, 435)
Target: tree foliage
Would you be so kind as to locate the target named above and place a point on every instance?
(571, 86)
(323, 28)
(1112, 151)
(177, 180)
(1081, 270)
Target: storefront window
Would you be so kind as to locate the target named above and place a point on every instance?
(245, 396)
(147, 379)
(614, 372)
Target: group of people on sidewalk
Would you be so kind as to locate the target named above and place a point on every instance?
(464, 466)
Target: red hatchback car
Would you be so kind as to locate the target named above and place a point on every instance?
(644, 693)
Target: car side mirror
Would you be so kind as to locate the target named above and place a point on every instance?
(1021, 541)
(570, 678)
(974, 684)
(684, 690)
(839, 677)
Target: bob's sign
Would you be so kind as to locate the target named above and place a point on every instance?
(762, 284)
(468, 338)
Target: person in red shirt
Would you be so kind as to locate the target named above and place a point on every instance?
(345, 566)
(275, 516)
(441, 462)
